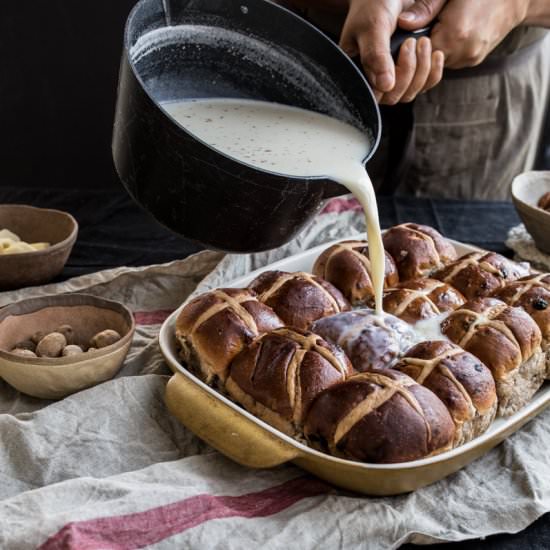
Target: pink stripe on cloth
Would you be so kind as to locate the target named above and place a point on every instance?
(335, 206)
(147, 318)
(151, 526)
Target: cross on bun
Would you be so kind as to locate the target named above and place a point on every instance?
(478, 274)
(419, 299)
(459, 379)
(214, 327)
(507, 341)
(299, 298)
(277, 377)
(381, 417)
(532, 293)
(418, 250)
(370, 341)
(347, 266)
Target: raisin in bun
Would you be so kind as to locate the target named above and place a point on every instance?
(421, 299)
(277, 377)
(300, 298)
(371, 341)
(459, 379)
(347, 266)
(418, 250)
(507, 341)
(382, 417)
(479, 274)
(214, 327)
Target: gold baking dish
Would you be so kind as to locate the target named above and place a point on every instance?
(251, 442)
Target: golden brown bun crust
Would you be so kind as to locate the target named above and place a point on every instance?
(369, 343)
(381, 418)
(214, 327)
(544, 201)
(285, 370)
(502, 337)
(299, 299)
(347, 266)
(419, 299)
(532, 293)
(457, 377)
(479, 274)
(417, 250)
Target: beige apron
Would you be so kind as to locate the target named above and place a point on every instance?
(475, 130)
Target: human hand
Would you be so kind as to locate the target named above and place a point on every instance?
(367, 31)
(468, 30)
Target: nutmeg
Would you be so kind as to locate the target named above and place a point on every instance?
(71, 349)
(51, 345)
(105, 338)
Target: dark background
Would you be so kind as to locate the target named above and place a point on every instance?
(59, 67)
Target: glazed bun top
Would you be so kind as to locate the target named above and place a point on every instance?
(347, 266)
(418, 250)
(299, 298)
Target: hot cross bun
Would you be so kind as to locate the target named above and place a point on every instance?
(347, 266)
(380, 417)
(214, 327)
(507, 341)
(459, 379)
(418, 250)
(299, 298)
(277, 377)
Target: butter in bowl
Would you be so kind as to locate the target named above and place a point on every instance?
(35, 244)
(53, 346)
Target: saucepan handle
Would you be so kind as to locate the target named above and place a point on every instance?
(225, 429)
(399, 36)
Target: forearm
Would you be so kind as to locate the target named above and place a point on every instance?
(538, 13)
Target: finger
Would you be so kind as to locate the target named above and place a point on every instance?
(423, 68)
(374, 48)
(436, 72)
(348, 42)
(405, 71)
(420, 14)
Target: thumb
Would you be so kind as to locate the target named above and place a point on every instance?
(420, 14)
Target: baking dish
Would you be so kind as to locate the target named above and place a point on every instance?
(251, 442)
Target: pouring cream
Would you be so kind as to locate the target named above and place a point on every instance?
(290, 141)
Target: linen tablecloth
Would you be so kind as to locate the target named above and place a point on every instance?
(109, 468)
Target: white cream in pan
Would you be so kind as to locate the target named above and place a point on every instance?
(290, 141)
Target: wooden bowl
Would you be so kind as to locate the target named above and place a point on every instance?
(36, 225)
(527, 189)
(55, 378)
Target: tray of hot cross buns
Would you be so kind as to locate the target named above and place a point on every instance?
(292, 363)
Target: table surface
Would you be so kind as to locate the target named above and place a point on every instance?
(115, 232)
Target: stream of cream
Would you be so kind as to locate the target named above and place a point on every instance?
(290, 141)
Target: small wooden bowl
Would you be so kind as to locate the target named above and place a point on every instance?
(36, 225)
(527, 189)
(55, 378)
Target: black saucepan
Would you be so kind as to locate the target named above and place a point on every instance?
(179, 49)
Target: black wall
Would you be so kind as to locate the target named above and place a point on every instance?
(58, 73)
